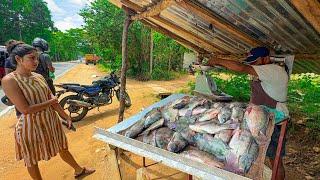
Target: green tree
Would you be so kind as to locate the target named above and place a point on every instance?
(24, 20)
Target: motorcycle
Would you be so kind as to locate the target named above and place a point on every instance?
(88, 97)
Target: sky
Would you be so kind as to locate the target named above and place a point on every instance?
(65, 13)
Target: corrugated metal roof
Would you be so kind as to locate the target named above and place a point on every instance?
(234, 26)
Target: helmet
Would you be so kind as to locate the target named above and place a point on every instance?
(40, 43)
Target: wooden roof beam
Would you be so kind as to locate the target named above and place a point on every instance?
(154, 10)
(177, 38)
(202, 12)
(184, 34)
(189, 35)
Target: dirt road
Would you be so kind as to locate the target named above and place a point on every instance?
(87, 151)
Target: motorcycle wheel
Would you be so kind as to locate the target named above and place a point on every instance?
(76, 113)
(127, 100)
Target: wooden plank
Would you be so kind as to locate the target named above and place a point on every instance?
(179, 39)
(215, 21)
(310, 9)
(142, 174)
(187, 35)
(177, 30)
(154, 10)
(111, 165)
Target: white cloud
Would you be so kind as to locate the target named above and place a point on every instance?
(81, 2)
(54, 8)
(67, 23)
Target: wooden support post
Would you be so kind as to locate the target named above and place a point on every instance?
(126, 26)
(279, 148)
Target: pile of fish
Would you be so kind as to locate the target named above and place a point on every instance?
(224, 135)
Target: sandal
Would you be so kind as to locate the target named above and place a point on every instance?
(84, 172)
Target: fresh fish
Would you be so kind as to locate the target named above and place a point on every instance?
(177, 143)
(237, 114)
(216, 147)
(185, 112)
(198, 110)
(195, 102)
(189, 135)
(237, 104)
(181, 103)
(181, 123)
(244, 150)
(149, 138)
(163, 136)
(209, 114)
(224, 115)
(135, 129)
(154, 126)
(202, 157)
(256, 119)
(169, 114)
(151, 117)
(225, 135)
(211, 127)
(218, 105)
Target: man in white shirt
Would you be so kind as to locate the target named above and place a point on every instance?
(269, 87)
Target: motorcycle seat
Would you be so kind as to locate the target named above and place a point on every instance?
(76, 88)
(88, 86)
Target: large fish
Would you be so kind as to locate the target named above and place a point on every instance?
(181, 123)
(211, 127)
(244, 150)
(154, 126)
(151, 117)
(237, 114)
(256, 120)
(224, 115)
(216, 147)
(149, 138)
(202, 157)
(189, 135)
(218, 105)
(177, 143)
(181, 103)
(135, 129)
(163, 136)
(238, 104)
(169, 114)
(210, 114)
(198, 110)
(225, 135)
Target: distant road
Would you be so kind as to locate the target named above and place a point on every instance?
(60, 67)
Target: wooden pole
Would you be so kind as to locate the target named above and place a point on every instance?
(127, 23)
(151, 51)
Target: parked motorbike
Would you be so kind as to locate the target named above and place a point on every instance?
(87, 97)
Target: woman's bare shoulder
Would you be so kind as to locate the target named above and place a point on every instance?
(8, 79)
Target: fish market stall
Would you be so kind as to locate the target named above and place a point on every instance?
(205, 165)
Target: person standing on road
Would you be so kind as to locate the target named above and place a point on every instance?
(45, 64)
(38, 132)
(269, 87)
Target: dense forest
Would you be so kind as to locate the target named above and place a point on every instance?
(26, 19)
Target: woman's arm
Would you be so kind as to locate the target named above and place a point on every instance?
(14, 93)
(57, 107)
(232, 65)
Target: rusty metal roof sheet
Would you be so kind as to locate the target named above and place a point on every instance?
(235, 26)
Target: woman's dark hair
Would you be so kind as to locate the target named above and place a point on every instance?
(18, 48)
